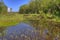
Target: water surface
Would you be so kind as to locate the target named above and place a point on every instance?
(21, 31)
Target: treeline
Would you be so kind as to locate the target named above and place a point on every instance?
(36, 6)
(3, 8)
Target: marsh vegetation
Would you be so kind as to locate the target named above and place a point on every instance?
(41, 15)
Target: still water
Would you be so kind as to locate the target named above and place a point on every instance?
(21, 31)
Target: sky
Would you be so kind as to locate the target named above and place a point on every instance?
(15, 4)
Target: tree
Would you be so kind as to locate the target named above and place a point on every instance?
(46, 6)
(32, 7)
(0, 9)
(23, 9)
(3, 8)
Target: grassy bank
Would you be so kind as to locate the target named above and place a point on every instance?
(8, 20)
(13, 19)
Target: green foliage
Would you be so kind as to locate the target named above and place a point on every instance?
(24, 9)
(3, 8)
(34, 6)
(29, 8)
(0, 9)
(49, 15)
(41, 14)
(40, 21)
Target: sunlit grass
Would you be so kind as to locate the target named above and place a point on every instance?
(9, 20)
(13, 19)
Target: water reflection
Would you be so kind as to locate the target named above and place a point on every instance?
(21, 31)
(24, 31)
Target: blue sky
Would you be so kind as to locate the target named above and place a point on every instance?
(15, 4)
